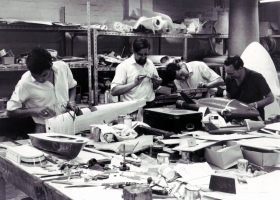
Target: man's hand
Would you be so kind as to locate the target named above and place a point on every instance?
(202, 85)
(44, 112)
(156, 79)
(139, 79)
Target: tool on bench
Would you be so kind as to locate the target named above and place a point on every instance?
(114, 185)
(96, 177)
(122, 149)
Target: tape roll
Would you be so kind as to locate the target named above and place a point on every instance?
(52, 52)
(3, 52)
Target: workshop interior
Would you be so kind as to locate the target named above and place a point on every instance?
(139, 99)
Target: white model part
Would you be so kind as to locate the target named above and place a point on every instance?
(25, 154)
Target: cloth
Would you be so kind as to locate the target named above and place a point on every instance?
(253, 88)
(127, 71)
(29, 93)
(198, 72)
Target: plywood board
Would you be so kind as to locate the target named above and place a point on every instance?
(200, 144)
(234, 136)
(269, 144)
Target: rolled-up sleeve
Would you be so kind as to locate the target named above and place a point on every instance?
(207, 73)
(18, 97)
(120, 76)
(71, 81)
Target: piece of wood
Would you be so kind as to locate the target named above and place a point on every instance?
(234, 136)
(137, 192)
(200, 145)
(261, 143)
(144, 142)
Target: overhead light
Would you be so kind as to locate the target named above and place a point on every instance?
(267, 1)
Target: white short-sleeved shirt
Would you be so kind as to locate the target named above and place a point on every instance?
(127, 71)
(29, 93)
(199, 72)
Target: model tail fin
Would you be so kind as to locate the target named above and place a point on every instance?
(210, 127)
(186, 98)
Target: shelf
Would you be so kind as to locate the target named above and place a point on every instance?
(21, 67)
(28, 27)
(112, 33)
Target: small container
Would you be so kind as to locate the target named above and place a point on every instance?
(106, 96)
(128, 121)
(192, 192)
(121, 119)
(166, 171)
(156, 149)
(163, 158)
(242, 165)
(101, 98)
(95, 133)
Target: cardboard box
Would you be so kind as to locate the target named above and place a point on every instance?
(8, 60)
(173, 119)
(268, 28)
(223, 157)
(261, 157)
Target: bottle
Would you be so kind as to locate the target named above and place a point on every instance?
(106, 96)
(128, 121)
(139, 116)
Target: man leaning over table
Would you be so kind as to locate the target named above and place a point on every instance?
(42, 90)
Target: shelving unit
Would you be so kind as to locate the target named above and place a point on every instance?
(77, 31)
(95, 33)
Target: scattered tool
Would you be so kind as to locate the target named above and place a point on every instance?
(97, 177)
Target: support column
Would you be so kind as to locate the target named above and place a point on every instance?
(243, 25)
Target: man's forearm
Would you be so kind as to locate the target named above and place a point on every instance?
(122, 89)
(21, 112)
(72, 94)
(215, 83)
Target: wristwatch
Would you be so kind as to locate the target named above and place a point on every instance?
(256, 105)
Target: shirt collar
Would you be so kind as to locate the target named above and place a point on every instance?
(189, 68)
(33, 79)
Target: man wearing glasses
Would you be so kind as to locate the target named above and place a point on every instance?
(41, 90)
(193, 74)
(247, 85)
(136, 78)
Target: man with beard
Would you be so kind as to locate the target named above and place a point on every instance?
(136, 78)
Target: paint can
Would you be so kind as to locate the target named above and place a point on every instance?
(163, 158)
(121, 119)
(166, 171)
(128, 121)
(156, 149)
(192, 192)
(95, 133)
(242, 165)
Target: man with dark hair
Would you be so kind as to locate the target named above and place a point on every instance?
(247, 85)
(136, 78)
(42, 89)
(194, 74)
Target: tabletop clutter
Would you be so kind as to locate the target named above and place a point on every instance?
(149, 163)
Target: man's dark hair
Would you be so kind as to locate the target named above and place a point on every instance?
(170, 71)
(38, 60)
(235, 61)
(140, 43)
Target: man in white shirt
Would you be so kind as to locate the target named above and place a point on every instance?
(193, 74)
(136, 78)
(43, 91)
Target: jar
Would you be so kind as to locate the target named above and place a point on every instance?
(128, 121)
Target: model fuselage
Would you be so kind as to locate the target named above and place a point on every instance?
(228, 108)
